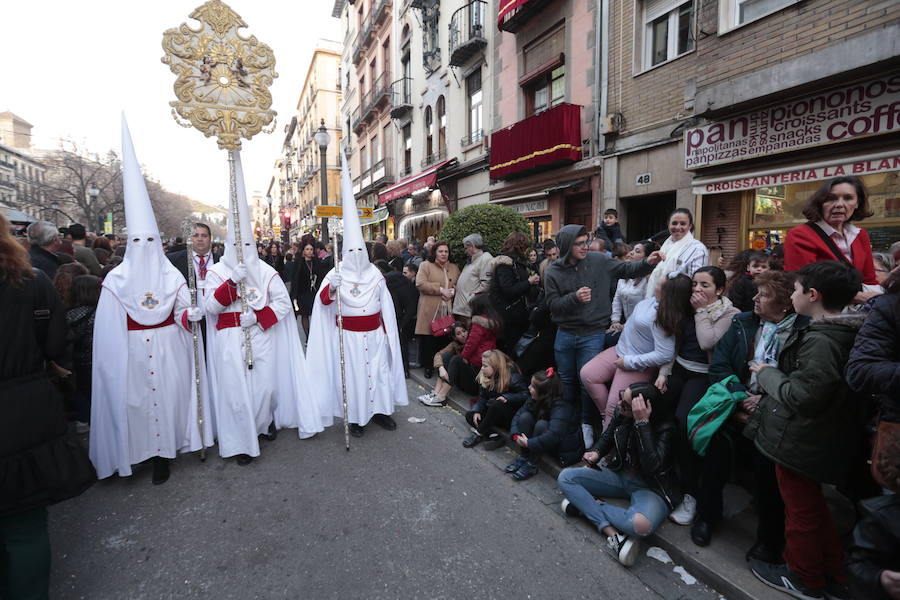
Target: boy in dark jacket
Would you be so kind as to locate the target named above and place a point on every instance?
(742, 290)
(803, 427)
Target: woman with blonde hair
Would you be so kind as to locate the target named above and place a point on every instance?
(503, 392)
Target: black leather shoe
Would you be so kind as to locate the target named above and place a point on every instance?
(472, 440)
(429, 373)
(385, 421)
(272, 433)
(356, 431)
(160, 470)
(701, 533)
(244, 459)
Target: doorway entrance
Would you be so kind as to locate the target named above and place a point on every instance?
(648, 215)
(578, 210)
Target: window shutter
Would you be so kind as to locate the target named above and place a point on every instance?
(657, 8)
(545, 49)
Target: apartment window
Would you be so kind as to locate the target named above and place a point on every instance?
(407, 149)
(429, 133)
(442, 124)
(364, 157)
(734, 13)
(474, 101)
(375, 148)
(668, 30)
(385, 141)
(544, 79)
(546, 91)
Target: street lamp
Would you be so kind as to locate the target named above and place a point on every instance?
(269, 200)
(92, 194)
(323, 139)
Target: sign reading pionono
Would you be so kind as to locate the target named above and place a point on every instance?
(850, 112)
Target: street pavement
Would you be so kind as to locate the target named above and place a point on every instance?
(404, 514)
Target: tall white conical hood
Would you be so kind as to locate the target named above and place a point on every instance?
(146, 283)
(139, 217)
(354, 255)
(247, 240)
(259, 274)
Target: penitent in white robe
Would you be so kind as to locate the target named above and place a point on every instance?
(248, 400)
(372, 359)
(144, 401)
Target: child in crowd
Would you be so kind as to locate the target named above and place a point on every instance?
(546, 424)
(80, 318)
(610, 228)
(446, 359)
(804, 423)
(503, 391)
(647, 342)
(640, 442)
(873, 558)
(740, 287)
(620, 251)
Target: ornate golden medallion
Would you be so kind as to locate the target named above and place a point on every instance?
(223, 78)
(149, 301)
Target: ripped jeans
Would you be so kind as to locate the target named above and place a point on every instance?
(582, 485)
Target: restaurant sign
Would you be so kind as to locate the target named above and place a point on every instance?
(841, 114)
(797, 175)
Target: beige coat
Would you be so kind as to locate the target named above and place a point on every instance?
(429, 282)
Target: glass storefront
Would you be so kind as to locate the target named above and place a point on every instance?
(777, 209)
(541, 228)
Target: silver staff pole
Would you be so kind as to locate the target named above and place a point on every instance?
(340, 325)
(195, 330)
(239, 251)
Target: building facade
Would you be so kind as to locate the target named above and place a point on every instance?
(21, 173)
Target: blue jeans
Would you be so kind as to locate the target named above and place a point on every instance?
(583, 484)
(572, 352)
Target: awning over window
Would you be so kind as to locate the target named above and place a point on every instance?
(513, 14)
(552, 137)
(427, 179)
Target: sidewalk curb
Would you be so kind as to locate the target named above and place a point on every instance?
(719, 574)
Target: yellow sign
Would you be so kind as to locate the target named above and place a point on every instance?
(338, 211)
(276, 229)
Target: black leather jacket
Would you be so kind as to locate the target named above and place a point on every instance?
(648, 449)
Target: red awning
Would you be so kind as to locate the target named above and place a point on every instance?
(550, 137)
(405, 187)
(506, 7)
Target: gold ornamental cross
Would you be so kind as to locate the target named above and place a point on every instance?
(223, 77)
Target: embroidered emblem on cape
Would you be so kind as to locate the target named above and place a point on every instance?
(355, 291)
(252, 295)
(149, 301)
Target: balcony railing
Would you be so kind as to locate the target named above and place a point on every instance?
(543, 141)
(405, 171)
(356, 120)
(434, 157)
(362, 39)
(381, 89)
(467, 35)
(401, 97)
(381, 11)
(476, 137)
(512, 16)
(381, 172)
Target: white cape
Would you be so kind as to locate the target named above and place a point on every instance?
(372, 359)
(277, 388)
(144, 400)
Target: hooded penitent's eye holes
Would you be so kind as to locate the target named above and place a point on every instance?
(149, 239)
(136, 240)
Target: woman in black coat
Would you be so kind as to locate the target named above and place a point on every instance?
(39, 463)
(513, 290)
(308, 273)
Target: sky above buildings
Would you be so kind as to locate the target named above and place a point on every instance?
(71, 68)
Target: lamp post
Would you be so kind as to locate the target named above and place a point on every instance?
(92, 194)
(323, 139)
(269, 200)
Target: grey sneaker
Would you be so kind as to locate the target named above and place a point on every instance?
(781, 578)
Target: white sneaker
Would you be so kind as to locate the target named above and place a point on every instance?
(628, 551)
(426, 398)
(569, 509)
(685, 512)
(81, 427)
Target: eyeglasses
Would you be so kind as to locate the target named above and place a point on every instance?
(582, 244)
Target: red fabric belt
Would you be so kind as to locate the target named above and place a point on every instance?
(226, 320)
(363, 323)
(135, 326)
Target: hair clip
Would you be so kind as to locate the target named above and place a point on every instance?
(551, 371)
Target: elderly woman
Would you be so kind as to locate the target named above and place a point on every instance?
(757, 336)
(684, 253)
(884, 264)
(513, 289)
(830, 235)
(476, 275)
(436, 282)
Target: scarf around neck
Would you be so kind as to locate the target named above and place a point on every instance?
(673, 251)
(770, 341)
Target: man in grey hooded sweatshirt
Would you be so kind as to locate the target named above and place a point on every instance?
(576, 288)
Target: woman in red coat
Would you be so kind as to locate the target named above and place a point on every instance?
(830, 235)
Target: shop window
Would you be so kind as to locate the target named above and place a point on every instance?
(668, 31)
(777, 209)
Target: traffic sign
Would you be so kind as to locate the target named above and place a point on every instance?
(338, 211)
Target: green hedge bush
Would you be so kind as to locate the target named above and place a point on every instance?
(493, 221)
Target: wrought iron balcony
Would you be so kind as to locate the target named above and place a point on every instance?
(434, 157)
(356, 119)
(401, 98)
(381, 11)
(467, 32)
(476, 137)
(381, 90)
(381, 173)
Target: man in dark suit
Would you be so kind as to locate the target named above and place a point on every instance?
(44, 238)
(202, 254)
(202, 257)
